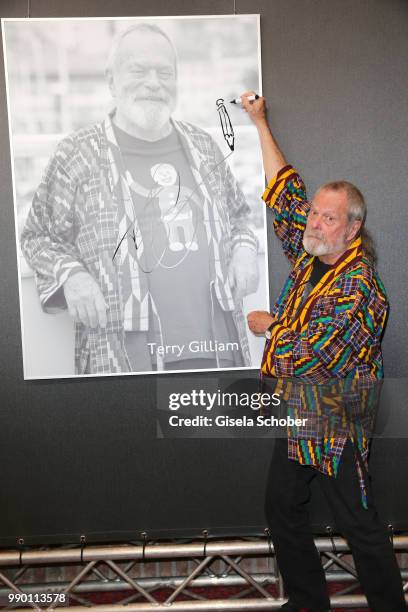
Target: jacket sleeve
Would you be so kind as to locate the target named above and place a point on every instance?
(48, 237)
(345, 327)
(286, 196)
(237, 206)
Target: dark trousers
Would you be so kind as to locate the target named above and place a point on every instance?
(288, 491)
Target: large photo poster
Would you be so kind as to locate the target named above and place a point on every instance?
(141, 238)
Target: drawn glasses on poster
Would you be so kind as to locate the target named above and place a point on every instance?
(168, 178)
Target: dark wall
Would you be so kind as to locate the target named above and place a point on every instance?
(80, 456)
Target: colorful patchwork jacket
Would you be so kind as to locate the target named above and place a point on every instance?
(73, 225)
(328, 352)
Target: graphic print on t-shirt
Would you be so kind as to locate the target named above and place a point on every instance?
(172, 247)
(173, 208)
(175, 202)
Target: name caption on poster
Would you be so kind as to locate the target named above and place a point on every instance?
(195, 346)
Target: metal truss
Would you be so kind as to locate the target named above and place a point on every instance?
(207, 564)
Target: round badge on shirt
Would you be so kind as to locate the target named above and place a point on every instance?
(164, 174)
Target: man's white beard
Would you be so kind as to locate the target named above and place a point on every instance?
(151, 115)
(315, 247)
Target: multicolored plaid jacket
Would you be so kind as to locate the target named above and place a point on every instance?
(331, 345)
(73, 225)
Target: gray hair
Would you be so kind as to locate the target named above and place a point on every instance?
(357, 211)
(139, 27)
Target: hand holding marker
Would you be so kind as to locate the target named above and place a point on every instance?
(226, 125)
(249, 98)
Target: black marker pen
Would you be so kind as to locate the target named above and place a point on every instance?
(250, 98)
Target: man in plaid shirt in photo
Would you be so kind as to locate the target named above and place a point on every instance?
(140, 230)
(325, 330)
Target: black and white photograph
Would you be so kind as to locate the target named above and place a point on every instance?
(141, 240)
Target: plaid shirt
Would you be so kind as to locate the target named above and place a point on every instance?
(73, 225)
(330, 346)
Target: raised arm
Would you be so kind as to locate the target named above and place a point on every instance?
(272, 156)
(285, 193)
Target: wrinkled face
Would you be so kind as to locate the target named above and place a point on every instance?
(143, 80)
(328, 231)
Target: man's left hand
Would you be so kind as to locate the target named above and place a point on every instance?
(243, 272)
(259, 321)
